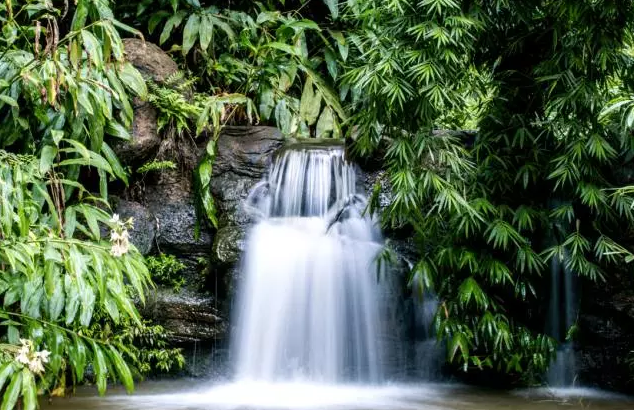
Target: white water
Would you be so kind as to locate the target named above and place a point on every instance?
(307, 306)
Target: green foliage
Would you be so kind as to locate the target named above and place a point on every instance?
(63, 78)
(65, 94)
(548, 86)
(539, 182)
(56, 270)
(264, 54)
(155, 165)
(165, 270)
(145, 345)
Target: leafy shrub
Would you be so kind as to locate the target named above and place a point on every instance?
(146, 346)
(165, 270)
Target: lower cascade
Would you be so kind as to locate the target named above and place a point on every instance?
(308, 301)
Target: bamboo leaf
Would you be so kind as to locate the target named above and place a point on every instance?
(123, 371)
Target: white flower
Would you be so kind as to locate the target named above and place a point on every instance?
(36, 366)
(115, 218)
(43, 355)
(116, 250)
(22, 357)
(114, 236)
(34, 360)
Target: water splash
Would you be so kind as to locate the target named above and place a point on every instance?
(307, 307)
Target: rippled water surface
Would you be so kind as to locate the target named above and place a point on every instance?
(186, 395)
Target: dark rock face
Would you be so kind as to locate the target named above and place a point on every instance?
(191, 317)
(165, 218)
(243, 156)
(606, 333)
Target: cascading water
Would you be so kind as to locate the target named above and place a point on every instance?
(562, 314)
(308, 303)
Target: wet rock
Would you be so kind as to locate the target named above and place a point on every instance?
(176, 227)
(144, 232)
(246, 151)
(228, 244)
(243, 155)
(188, 316)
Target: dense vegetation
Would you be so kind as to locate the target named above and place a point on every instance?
(547, 84)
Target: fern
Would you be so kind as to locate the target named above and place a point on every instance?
(155, 165)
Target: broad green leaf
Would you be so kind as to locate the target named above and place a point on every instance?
(331, 63)
(325, 124)
(70, 222)
(72, 298)
(267, 103)
(12, 393)
(13, 335)
(81, 13)
(171, 23)
(116, 166)
(206, 31)
(6, 371)
(93, 48)
(283, 117)
(310, 104)
(47, 157)
(333, 6)
(123, 371)
(342, 45)
(291, 50)
(117, 130)
(190, 32)
(101, 369)
(8, 100)
(56, 287)
(155, 19)
(131, 77)
(78, 355)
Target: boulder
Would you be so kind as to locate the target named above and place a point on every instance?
(145, 139)
(243, 156)
(149, 59)
(176, 226)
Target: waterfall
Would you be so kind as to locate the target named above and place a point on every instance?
(562, 314)
(308, 301)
